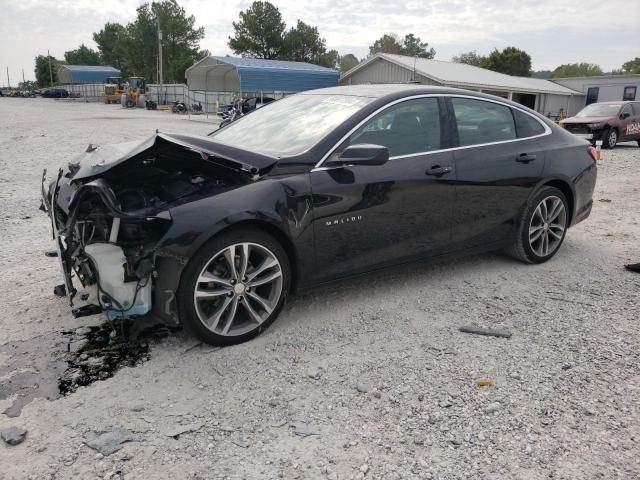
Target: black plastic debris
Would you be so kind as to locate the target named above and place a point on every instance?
(633, 267)
(485, 331)
(60, 291)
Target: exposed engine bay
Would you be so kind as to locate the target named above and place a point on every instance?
(107, 225)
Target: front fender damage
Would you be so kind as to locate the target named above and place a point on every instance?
(109, 219)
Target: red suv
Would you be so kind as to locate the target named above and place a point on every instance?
(611, 122)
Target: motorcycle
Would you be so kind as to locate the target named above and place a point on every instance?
(181, 107)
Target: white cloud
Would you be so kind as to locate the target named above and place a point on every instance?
(552, 31)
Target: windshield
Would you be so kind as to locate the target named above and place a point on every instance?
(290, 126)
(600, 110)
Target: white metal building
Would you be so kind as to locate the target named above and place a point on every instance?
(604, 88)
(541, 95)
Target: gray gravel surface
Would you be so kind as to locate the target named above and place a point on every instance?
(369, 378)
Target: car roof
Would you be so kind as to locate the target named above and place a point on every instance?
(619, 102)
(392, 91)
(385, 89)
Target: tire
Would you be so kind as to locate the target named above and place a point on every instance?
(610, 138)
(228, 312)
(525, 248)
(130, 104)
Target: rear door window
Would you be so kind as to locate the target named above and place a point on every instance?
(409, 127)
(526, 125)
(480, 121)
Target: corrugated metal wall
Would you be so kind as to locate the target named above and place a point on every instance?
(279, 80)
(383, 71)
(550, 105)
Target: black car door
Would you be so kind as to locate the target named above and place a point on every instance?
(498, 162)
(369, 216)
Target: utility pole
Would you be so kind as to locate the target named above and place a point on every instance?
(160, 79)
(8, 81)
(23, 75)
(50, 71)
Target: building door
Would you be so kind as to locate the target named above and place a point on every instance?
(592, 95)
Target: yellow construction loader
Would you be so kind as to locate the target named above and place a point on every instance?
(135, 88)
(113, 90)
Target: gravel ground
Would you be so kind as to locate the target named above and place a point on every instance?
(364, 379)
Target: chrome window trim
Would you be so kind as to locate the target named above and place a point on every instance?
(547, 129)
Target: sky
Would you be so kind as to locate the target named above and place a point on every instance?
(551, 31)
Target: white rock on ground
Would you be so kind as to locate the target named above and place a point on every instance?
(397, 333)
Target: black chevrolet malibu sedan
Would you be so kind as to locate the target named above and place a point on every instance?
(214, 232)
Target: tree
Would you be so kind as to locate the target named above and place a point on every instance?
(511, 61)
(304, 44)
(330, 59)
(410, 45)
(82, 55)
(259, 33)
(43, 78)
(347, 62)
(576, 70)
(632, 66)
(111, 41)
(470, 58)
(388, 43)
(133, 48)
(27, 85)
(541, 74)
(180, 41)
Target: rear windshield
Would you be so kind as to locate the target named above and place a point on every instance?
(600, 110)
(290, 126)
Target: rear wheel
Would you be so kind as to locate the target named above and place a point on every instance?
(610, 138)
(130, 104)
(542, 228)
(234, 287)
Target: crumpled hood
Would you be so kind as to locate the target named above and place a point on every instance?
(97, 160)
(584, 120)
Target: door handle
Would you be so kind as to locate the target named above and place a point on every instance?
(438, 171)
(525, 158)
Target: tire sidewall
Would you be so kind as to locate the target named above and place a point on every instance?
(545, 192)
(188, 316)
(606, 143)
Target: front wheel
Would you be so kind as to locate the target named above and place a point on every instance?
(610, 138)
(542, 228)
(234, 287)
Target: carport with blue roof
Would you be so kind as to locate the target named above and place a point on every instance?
(231, 74)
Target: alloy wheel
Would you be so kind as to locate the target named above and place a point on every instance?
(238, 289)
(613, 138)
(547, 226)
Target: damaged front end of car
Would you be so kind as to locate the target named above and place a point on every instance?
(111, 208)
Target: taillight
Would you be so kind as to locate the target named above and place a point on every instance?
(592, 153)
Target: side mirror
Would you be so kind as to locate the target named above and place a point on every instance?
(624, 115)
(364, 154)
